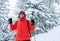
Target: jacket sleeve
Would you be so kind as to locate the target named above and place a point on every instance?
(31, 26)
(13, 26)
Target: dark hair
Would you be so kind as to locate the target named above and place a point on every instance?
(22, 12)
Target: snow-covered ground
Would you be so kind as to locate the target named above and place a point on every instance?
(52, 35)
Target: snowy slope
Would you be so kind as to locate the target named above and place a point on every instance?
(52, 35)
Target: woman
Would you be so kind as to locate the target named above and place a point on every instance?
(21, 26)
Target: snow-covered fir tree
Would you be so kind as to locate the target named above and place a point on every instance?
(45, 13)
(44, 16)
(5, 34)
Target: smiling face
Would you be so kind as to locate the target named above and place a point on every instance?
(21, 15)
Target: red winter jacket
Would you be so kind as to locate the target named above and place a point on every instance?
(21, 27)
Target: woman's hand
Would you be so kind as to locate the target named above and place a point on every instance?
(10, 20)
(33, 22)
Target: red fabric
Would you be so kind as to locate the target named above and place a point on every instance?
(19, 40)
(21, 28)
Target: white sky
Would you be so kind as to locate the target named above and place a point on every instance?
(35, 1)
(11, 7)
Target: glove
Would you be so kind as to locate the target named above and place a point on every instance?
(10, 20)
(33, 22)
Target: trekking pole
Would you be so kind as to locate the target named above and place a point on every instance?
(34, 36)
(33, 23)
(5, 27)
